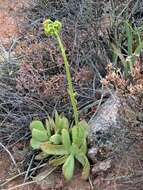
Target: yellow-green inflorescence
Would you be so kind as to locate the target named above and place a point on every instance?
(53, 29)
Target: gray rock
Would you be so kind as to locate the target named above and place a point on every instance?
(109, 130)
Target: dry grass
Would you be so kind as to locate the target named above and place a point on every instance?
(87, 28)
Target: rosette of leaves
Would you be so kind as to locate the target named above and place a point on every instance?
(73, 147)
(50, 132)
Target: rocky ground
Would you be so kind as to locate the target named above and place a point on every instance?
(21, 44)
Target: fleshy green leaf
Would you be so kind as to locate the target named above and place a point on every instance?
(83, 126)
(86, 169)
(83, 148)
(41, 156)
(68, 167)
(61, 122)
(56, 117)
(85, 163)
(48, 127)
(56, 139)
(35, 144)
(58, 161)
(36, 125)
(66, 139)
(57, 121)
(81, 135)
(51, 124)
(64, 123)
(40, 135)
(74, 149)
(75, 132)
(53, 149)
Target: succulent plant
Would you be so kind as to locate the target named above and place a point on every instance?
(56, 138)
(50, 133)
(73, 147)
(66, 144)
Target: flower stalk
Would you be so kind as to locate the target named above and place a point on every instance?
(53, 29)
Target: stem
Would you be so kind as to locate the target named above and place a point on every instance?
(69, 80)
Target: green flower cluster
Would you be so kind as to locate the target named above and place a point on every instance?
(52, 28)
